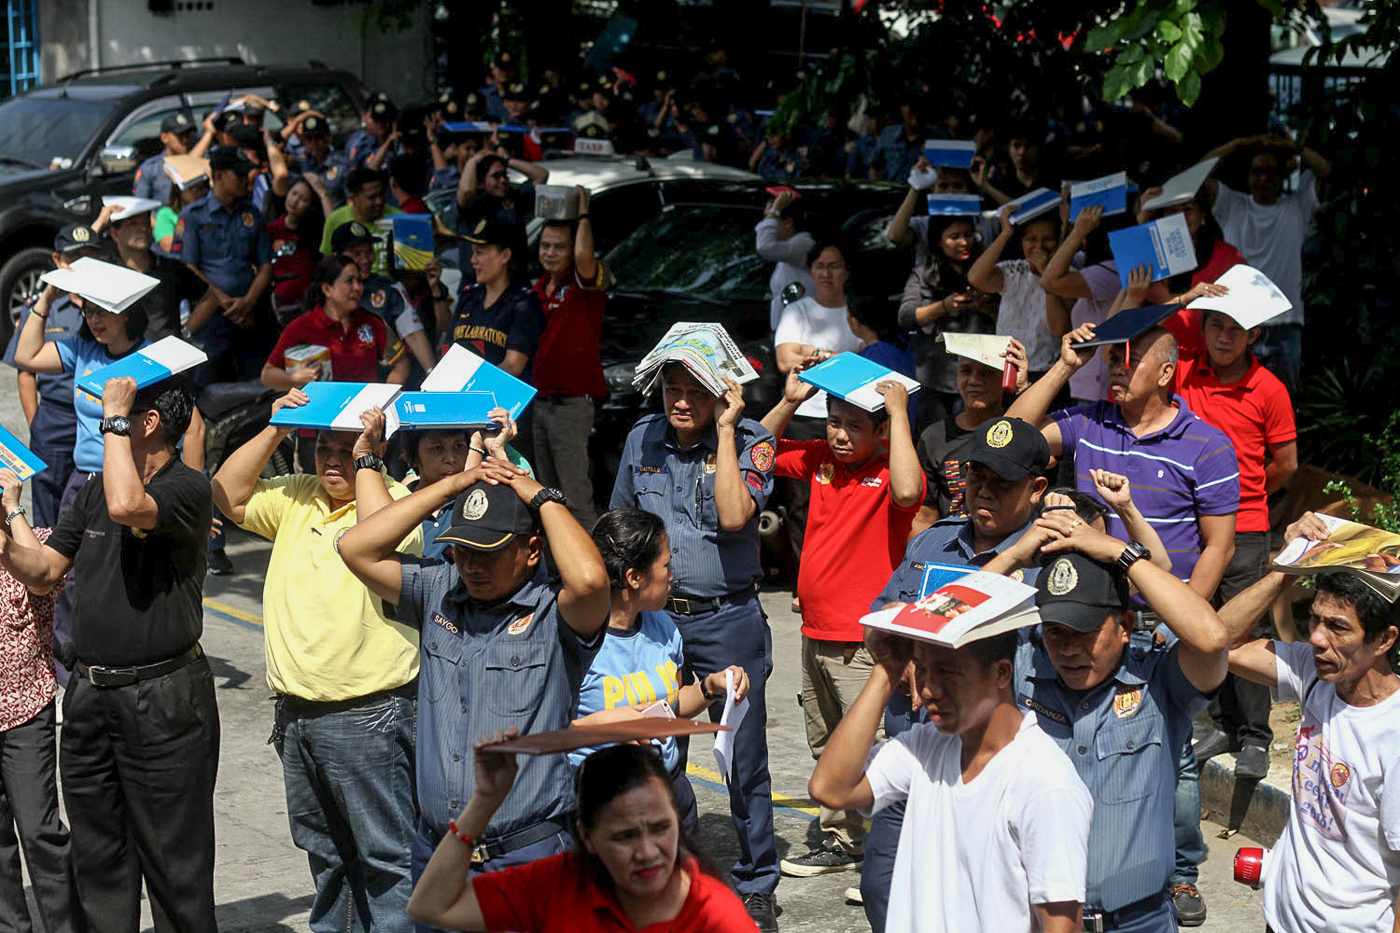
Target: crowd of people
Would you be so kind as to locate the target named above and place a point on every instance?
(428, 600)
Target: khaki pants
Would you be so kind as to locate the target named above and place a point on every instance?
(833, 675)
(561, 429)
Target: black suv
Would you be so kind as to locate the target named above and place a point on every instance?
(63, 146)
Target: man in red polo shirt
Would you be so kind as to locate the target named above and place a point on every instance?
(568, 372)
(1227, 387)
(867, 487)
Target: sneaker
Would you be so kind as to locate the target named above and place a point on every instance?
(1216, 743)
(1252, 762)
(219, 564)
(853, 896)
(824, 859)
(1190, 906)
(797, 605)
(763, 910)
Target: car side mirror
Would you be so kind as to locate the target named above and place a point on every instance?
(792, 291)
(116, 160)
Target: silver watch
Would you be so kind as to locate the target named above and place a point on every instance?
(19, 510)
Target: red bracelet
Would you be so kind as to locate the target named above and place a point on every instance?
(452, 825)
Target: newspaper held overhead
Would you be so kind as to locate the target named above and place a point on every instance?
(1369, 553)
(706, 351)
(967, 609)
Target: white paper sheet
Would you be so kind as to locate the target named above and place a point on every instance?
(732, 716)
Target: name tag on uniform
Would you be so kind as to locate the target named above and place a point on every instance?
(651, 469)
(1040, 709)
(440, 619)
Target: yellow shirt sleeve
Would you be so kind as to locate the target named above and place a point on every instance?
(271, 498)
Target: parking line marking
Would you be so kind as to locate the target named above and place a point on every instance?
(233, 614)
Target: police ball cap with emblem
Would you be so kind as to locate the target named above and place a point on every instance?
(315, 126)
(73, 237)
(486, 517)
(1013, 449)
(1077, 592)
(348, 235)
(489, 231)
(177, 123)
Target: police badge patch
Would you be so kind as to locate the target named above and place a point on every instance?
(999, 434)
(1063, 578)
(377, 299)
(1126, 702)
(762, 456)
(248, 219)
(475, 506)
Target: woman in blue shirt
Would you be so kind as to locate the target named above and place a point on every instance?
(641, 661)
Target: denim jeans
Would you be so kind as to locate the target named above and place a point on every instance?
(349, 780)
(1190, 844)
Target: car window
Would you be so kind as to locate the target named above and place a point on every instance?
(697, 249)
(616, 212)
(146, 122)
(48, 132)
(329, 99)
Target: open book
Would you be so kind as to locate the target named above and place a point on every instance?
(105, 284)
(706, 350)
(1028, 206)
(978, 605)
(1252, 300)
(1109, 192)
(1370, 553)
(1182, 186)
(1164, 246)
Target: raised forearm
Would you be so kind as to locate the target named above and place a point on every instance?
(906, 475)
(1245, 609)
(732, 500)
(1210, 566)
(1181, 608)
(779, 417)
(841, 767)
(982, 275)
(1139, 529)
(1032, 405)
(233, 484)
(898, 231)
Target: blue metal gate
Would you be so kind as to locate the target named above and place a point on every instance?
(19, 70)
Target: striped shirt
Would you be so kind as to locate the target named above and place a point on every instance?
(1179, 473)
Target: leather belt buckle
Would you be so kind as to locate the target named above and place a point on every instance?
(112, 676)
(1093, 921)
(681, 605)
(479, 855)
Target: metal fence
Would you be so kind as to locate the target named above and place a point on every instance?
(19, 70)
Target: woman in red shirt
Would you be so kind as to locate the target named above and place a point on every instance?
(296, 241)
(633, 870)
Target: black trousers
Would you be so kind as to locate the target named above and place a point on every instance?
(138, 777)
(29, 804)
(1241, 708)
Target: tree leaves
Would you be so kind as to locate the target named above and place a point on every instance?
(1182, 36)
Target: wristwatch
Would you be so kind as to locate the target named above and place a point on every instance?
(369, 462)
(547, 494)
(1134, 552)
(19, 510)
(119, 425)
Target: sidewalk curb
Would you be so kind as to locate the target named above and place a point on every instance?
(1259, 812)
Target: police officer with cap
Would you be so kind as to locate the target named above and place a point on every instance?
(320, 157)
(707, 471)
(382, 296)
(504, 643)
(1120, 712)
(177, 135)
(380, 117)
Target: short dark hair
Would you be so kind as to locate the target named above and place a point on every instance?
(173, 401)
(1086, 505)
(412, 440)
(325, 273)
(989, 651)
(628, 539)
(569, 225)
(826, 242)
(364, 175)
(410, 172)
(877, 418)
(1373, 611)
(874, 313)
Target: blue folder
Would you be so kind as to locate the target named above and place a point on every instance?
(936, 575)
(17, 457)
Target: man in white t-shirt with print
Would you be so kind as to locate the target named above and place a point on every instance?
(1336, 868)
(996, 833)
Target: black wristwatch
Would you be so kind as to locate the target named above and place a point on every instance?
(547, 494)
(119, 425)
(369, 462)
(1134, 552)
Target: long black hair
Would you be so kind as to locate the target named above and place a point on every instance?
(628, 539)
(133, 320)
(313, 222)
(325, 273)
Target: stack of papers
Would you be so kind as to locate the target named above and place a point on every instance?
(954, 205)
(1163, 245)
(976, 606)
(186, 171)
(851, 377)
(166, 357)
(1109, 192)
(1253, 298)
(1181, 187)
(706, 350)
(106, 285)
(15, 456)
(986, 349)
(413, 241)
(128, 206)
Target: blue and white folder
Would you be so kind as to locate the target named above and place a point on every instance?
(950, 153)
(936, 575)
(852, 377)
(955, 205)
(1030, 205)
(168, 356)
(461, 370)
(15, 456)
(337, 406)
(1109, 192)
(1163, 245)
(440, 411)
(468, 126)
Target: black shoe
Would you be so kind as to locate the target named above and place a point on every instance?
(1252, 762)
(1190, 906)
(1216, 743)
(219, 564)
(824, 859)
(763, 909)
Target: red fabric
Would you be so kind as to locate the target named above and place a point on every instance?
(1185, 324)
(854, 541)
(558, 893)
(291, 273)
(414, 205)
(567, 362)
(1254, 413)
(355, 351)
(26, 639)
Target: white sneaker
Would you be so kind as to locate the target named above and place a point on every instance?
(853, 896)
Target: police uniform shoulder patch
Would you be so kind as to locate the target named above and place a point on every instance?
(999, 434)
(378, 298)
(762, 456)
(520, 625)
(1063, 577)
(475, 506)
(248, 219)
(1126, 702)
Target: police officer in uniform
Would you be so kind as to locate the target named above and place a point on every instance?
(177, 136)
(318, 156)
(707, 472)
(379, 119)
(503, 642)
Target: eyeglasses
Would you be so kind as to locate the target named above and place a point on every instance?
(829, 267)
(92, 310)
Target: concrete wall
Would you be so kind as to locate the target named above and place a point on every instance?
(260, 31)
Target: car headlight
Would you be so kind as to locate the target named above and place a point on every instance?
(618, 376)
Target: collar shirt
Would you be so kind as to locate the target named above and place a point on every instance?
(946, 541)
(568, 362)
(151, 180)
(226, 244)
(514, 321)
(1124, 738)
(485, 667)
(26, 644)
(386, 299)
(355, 350)
(657, 475)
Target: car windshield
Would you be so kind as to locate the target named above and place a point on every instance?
(701, 250)
(48, 132)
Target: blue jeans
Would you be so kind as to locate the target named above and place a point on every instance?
(1190, 844)
(349, 780)
(882, 842)
(426, 840)
(738, 633)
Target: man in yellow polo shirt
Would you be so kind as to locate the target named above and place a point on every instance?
(345, 675)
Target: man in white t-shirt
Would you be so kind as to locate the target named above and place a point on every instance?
(1336, 868)
(1268, 226)
(996, 833)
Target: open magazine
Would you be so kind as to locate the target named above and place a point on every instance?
(978, 605)
(1370, 553)
(706, 350)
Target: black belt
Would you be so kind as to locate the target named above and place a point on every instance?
(1100, 921)
(486, 851)
(306, 707)
(696, 605)
(100, 676)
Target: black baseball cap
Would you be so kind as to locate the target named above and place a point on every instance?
(381, 108)
(1077, 592)
(516, 91)
(246, 137)
(494, 232)
(347, 235)
(229, 157)
(486, 517)
(1012, 448)
(180, 122)
(315, 126)
(73, 237)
